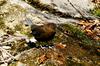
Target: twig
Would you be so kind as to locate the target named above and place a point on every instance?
(3, 60)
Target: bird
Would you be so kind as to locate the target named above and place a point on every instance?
(44, 32)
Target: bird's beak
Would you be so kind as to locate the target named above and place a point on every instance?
(30, 32)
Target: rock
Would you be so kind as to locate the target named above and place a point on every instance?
(20, 64)
(65, 7)
(5, 64)
(2, 2)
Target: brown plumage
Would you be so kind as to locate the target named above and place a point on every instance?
(44, 32)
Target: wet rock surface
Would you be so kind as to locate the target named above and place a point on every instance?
(64, 8)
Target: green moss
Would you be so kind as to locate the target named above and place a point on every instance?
(18, 27)
(50, 64)
(70, 62)
(23, 30)
(2, 24)
(41, 43)
(96, 12)
(77, 34)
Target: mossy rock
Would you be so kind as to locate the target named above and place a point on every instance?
(77, 34)
(2, 23)
(96, 12)
(2, 2)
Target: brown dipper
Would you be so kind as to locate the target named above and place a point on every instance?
(44, 32)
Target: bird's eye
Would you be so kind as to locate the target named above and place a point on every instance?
(34, 32)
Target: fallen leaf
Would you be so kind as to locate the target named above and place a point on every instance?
(60, 46)
(42, 59)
